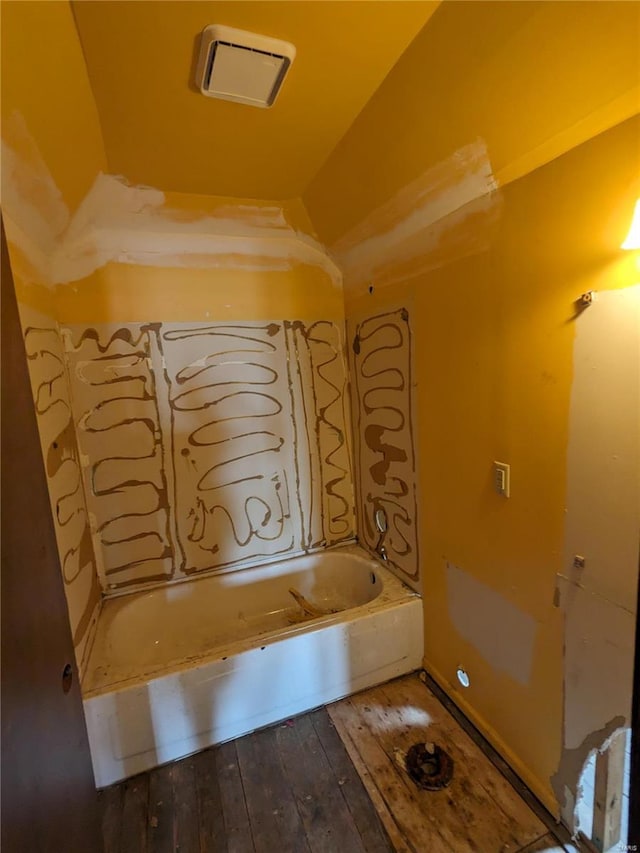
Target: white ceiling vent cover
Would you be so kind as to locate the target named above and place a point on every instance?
(238, 66)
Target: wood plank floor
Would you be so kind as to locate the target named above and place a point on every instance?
(291, 788)
(330, 781)
(479, 811)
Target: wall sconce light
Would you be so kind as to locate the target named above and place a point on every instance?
(633, 237)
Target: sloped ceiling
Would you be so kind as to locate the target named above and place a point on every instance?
(159, 130)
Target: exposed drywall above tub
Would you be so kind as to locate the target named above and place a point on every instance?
(603, 509)
(129, 224)
(446, 213)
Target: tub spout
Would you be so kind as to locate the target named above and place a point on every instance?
(380, 549)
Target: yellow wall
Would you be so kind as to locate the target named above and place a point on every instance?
(44, 79)
(180, 140)
(493, 359)
(129, 293)
(542, 78)
(490, 287)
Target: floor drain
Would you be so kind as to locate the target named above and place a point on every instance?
(429, 766)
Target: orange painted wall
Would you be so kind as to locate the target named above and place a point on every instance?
(532, 79)
(549, 93)
(493, 339)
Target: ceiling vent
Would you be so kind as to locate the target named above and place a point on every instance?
(238, 66)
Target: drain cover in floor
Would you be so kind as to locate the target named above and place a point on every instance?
(429, 766)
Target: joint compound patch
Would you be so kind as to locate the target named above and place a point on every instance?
(446, 213)
(118, 222)
(502, 633)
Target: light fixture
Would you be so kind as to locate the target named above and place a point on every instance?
(633, 237)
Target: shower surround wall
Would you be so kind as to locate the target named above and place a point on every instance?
(45, 354)
(210, 446)
(383, 419)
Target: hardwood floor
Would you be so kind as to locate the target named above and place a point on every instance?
(330, 781)
(287, 789)
(479, 811)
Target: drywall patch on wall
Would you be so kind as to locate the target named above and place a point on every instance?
(130, 224)
(603, 507)
(502, 633)
(383, 417)
(47, 372)
(444, 214)
(206, 447)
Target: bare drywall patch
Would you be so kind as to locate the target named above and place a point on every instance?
(502, 633)
(425, 220)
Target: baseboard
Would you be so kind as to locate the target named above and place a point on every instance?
(514, 770)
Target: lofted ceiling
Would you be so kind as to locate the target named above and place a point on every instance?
(159, 130)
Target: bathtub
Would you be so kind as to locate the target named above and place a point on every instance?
(182, 667)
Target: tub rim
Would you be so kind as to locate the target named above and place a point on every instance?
(393, 593)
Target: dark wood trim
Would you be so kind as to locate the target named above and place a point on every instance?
(633, 837)
(49, 801)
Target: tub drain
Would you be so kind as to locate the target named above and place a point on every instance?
(429, 766)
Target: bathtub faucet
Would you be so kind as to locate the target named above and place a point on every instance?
(380, 518)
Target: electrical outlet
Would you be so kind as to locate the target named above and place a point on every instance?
(502, 478)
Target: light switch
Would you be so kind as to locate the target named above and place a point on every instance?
(502, 478)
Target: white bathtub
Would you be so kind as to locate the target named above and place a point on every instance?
(182, 667)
